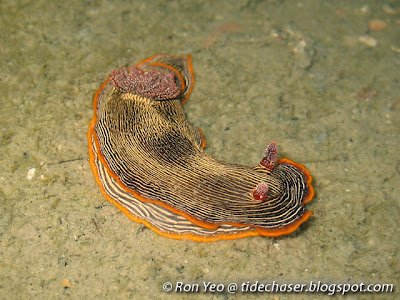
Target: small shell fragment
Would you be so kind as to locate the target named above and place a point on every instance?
(31, 173)
(368, 40)
(389, 10)
(66, 283)
(376, 25)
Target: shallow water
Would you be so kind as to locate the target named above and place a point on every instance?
(305, 74)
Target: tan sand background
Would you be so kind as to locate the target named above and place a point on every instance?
(320, 78)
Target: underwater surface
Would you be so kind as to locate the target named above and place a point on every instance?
(320, 79)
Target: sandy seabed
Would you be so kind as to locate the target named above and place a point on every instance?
(319, 78)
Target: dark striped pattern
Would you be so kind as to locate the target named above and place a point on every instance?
(155, 153)
(161, 218)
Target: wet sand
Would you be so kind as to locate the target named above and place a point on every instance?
(313, 77)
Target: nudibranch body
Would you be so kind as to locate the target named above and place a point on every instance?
(149, 162)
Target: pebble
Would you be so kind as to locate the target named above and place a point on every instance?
(390, 11)
(299, 48)
(365, 9)
(376, 25)
(65, 282)
(44, 178)
(395, 49)
(368, 40)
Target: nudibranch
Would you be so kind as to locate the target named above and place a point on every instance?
(149, 162)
